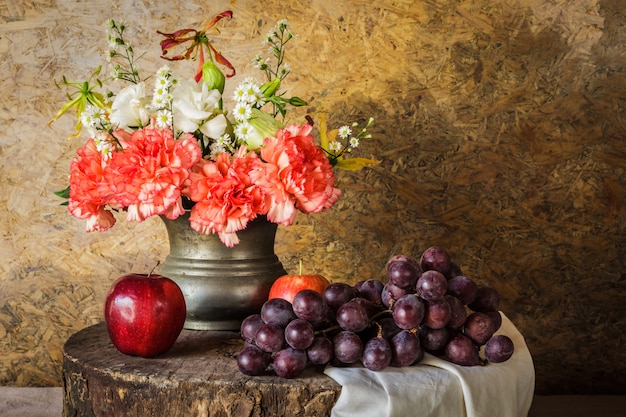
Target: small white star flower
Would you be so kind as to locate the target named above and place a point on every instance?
(335, 146)
(158, 101)
(344, 132)
(164, 72)
(253, 93)
(259, 100)
(91, 116)
(111, 42)
(243, 130)
(104, 145)
(240, 93)
(216, 148)
(163, 118)
(116, 71)
(162, 85)
(224, 140)
(107, 152)
(260, 62)
(282, 24)
(242, 111)
(354, 142)
(269, 38)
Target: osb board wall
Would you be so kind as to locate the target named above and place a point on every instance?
(500, 126)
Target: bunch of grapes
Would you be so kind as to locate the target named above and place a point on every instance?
(425, 306)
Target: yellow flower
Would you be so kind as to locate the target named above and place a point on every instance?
(336, 157)
(83, 96)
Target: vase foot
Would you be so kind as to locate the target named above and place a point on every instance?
(225, 325)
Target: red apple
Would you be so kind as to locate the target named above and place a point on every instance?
(287, 286)
(144, 314)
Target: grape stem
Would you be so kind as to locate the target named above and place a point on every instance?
(372, 320)
(380, 313)
(379, 333)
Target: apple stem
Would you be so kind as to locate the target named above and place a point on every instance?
(300, 265)
(153, 268)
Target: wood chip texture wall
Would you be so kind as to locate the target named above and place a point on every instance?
(500, 126)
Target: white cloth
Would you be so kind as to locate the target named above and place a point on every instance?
(438, 388)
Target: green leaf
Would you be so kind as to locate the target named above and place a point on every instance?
(63, 193)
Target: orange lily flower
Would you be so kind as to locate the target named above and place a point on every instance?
(197, 39)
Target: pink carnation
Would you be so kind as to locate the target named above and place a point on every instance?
(147, 175)
(306, 175)
(86, 201)
(225, 195)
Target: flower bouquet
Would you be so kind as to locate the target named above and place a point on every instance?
(178, 147)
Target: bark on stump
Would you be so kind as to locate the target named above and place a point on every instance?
(198, 377)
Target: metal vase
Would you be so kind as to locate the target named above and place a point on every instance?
(221, 285)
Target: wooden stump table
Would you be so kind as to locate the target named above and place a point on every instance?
(198, 377)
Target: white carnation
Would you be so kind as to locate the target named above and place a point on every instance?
(193, 105)
(130, 107)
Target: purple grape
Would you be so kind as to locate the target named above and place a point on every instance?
(461, 350)
(403, 271)
(388, 327)
(348, 347)
(455, 270)
(402, 259)
(496, 317)
(369, 306)
(309, 305)
(299, 334)
(352, 316)
(499, 348)
(432, 285)
(408, 312)
(321, 351)
(463, 288)
(435, 258)
(420, 355)
(270, 337)
(277, 311)
(376, 354)
(433, 340)
(290, 362)
(392, 293)
(405, 348)
(371, 290)
(487, 299)
(327, 320)
(437, 313)
(479, 327)
(249, 327)
(253, 361)
(459, 314)
(338, 293)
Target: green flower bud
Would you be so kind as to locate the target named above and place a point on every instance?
(269, 88)
(297, 102)
(212, 75)
(264, 125)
